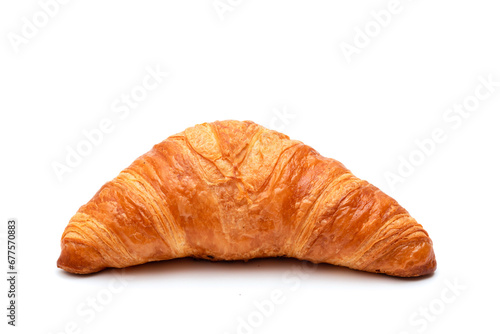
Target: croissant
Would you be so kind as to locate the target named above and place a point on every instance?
(235, 190)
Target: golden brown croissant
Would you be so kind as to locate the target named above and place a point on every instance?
(236, 191)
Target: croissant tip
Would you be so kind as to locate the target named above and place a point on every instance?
(426, 266)
(422, 260)
(414, 259)
(79, 258)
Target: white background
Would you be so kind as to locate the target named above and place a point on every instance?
(260, 60)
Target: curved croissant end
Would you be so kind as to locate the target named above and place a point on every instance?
(236, 191)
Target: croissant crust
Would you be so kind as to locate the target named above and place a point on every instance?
(234, 190)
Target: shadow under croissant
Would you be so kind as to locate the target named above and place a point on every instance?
(239, 269)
